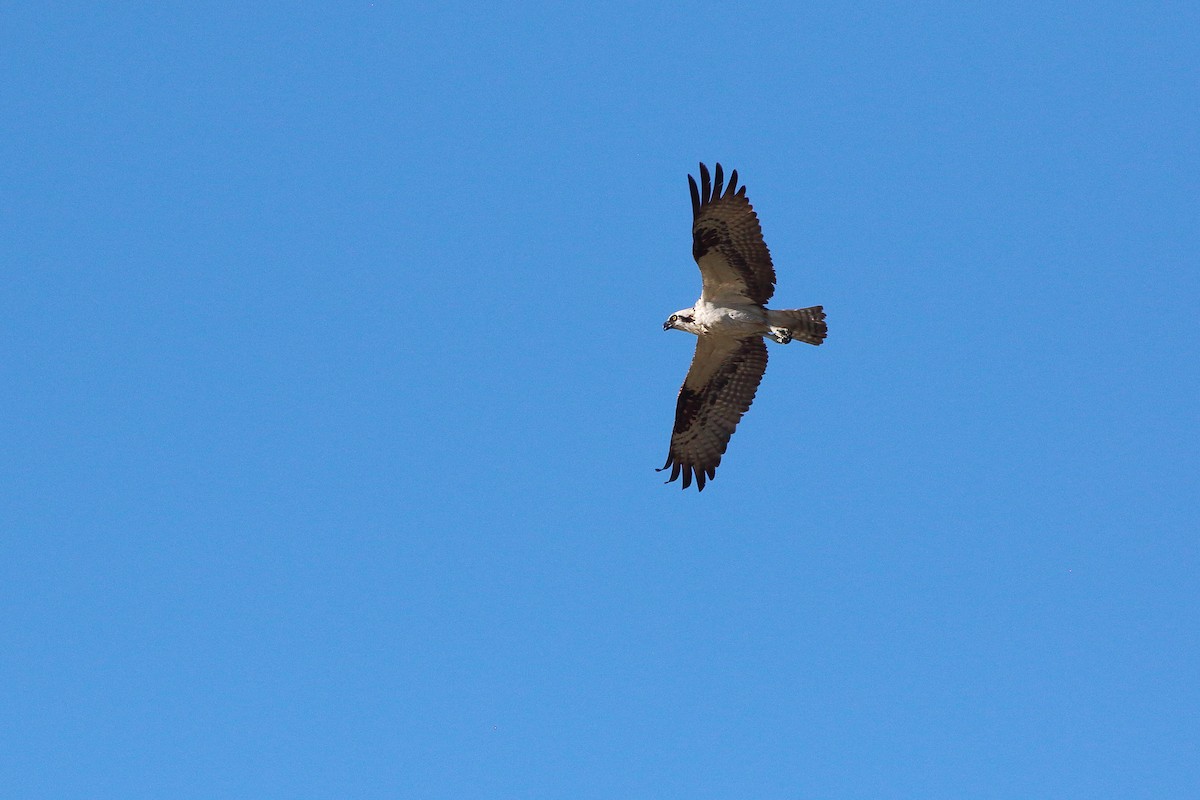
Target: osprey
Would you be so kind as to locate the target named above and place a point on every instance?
(729, 320)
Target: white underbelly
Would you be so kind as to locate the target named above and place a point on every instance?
(731, 320)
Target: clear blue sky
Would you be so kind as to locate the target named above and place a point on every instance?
(334, 383)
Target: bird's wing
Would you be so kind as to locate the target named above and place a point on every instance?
(727, 241)
(719, 387)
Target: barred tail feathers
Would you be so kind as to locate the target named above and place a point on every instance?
(806, 324)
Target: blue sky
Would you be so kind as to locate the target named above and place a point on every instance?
(334, 385)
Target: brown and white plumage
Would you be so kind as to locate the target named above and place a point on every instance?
(727, 241)
(729, 320)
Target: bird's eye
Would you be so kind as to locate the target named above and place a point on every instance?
(674, 317)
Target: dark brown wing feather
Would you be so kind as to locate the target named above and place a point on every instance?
(719, 387)
(727, 241)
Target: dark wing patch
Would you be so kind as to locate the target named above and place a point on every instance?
(727, 240)
(719, 387)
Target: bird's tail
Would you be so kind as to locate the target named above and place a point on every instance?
(806, 324)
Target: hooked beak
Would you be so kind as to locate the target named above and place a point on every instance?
(667, 326)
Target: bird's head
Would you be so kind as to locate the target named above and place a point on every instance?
(680, 320)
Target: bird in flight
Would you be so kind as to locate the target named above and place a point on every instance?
(729, 321)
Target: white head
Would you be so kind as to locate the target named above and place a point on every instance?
(682, 320)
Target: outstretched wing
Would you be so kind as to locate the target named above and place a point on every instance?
(719, 387)
(727, 241)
